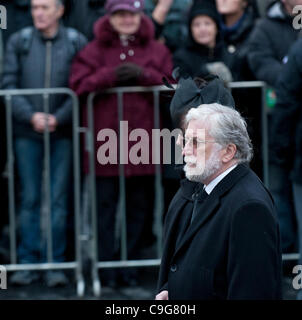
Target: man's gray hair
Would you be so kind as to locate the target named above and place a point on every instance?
(225, 125)
(60, 3)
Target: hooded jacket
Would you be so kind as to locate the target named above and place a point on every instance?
(270, 42)
(94, 70)
(193, 57)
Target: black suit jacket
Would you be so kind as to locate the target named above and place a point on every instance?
(231, 250)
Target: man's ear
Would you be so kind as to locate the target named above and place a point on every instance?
(229, 153)
(61, 11)
(245, 4)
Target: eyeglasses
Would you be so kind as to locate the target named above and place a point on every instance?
(192, 141)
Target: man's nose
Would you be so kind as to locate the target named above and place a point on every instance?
(187, 149)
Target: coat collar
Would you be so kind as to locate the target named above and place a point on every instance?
(106, 35)
(213, 200)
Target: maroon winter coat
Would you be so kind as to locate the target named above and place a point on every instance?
(94, 70)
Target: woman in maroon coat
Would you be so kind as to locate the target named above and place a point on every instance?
(124, 52)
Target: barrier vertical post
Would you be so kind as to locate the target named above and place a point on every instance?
(77, 193)
(47, 180)
(92, 185)
(265, 142)
(159, 199)
(122, 180)
(11, 183)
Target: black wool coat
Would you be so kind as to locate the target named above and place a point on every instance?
(231, 250)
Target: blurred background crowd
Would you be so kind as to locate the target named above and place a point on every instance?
(91, 45)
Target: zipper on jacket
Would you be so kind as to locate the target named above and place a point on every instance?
(47, 80)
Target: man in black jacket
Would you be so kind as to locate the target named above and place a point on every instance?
(40, 57)
(271, 40)
(287, 129)
(221, 234)
(269, 45)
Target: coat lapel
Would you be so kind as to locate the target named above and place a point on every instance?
(208, 207)
(173, 216)
(187, 189)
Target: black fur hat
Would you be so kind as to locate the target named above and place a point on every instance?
(192, 93)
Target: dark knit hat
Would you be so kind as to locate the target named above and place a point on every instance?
(190, 94)
(204, 7)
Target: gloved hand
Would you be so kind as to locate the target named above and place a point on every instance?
(221, 70)
(128, 73)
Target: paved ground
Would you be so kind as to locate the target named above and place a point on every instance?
(39, 291)
(144, 291)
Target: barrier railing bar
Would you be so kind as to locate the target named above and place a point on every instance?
(139, 89)
(129, 263)
(290, 256)
(41, 266)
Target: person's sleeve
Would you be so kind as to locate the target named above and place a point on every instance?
(254, 265)
(82, 42)
(88, 75)
(184, 65)
(287, 109)
(153, 75)
(64, 114)
(21, 107)
(262, 58)
(158, 28)
(163, 288)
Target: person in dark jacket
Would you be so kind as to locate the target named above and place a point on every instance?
(221, 236)
(205, 52)
(271, 40)
(40, 57)
(238, 18)
(237, 21)
(286, 141)
(170, 21)
(269, 45)
(17, 17)
(83, 14)
(124, 52)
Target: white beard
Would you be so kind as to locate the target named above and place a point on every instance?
(202, 171)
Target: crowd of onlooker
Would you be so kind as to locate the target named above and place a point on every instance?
(91, 45)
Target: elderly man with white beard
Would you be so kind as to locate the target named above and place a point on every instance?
(221, 235)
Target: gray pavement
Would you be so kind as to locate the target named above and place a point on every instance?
(39, 291)
(144, 291)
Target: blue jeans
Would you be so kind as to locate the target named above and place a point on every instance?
(281, 189)
(29, 160)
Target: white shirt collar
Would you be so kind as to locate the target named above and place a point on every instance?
(210, 187)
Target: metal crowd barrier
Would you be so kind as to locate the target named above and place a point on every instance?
(90, 200)
(77, 264)
(158, 207)
(158, 186)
